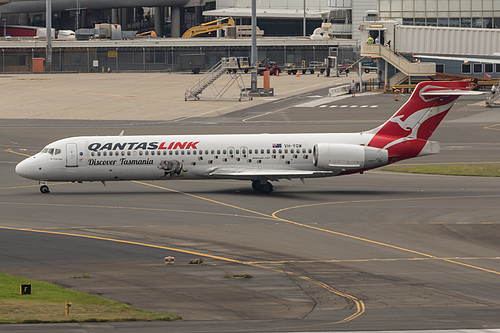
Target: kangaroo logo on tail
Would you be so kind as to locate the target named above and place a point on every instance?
(405, 134)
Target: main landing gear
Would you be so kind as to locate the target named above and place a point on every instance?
(265, 188)
(44, 188)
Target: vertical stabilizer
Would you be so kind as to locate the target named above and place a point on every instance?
(406, 133)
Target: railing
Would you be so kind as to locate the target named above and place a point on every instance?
(225, 65)
(212, 74)
(401, 63)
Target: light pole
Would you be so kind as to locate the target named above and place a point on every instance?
(304, 23)
(4, 28)
(48, 34)
(253, 54)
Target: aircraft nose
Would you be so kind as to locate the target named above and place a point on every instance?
(26, 168)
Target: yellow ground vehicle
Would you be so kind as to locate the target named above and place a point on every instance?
(147, 34)
(209, 27)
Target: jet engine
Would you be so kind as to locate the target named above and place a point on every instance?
(348, 156)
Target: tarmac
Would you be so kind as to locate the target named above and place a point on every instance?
(378, 251)
(136, 96)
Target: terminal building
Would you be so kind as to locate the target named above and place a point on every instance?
(293, 31)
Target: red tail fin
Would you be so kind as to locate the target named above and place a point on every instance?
(406, 133)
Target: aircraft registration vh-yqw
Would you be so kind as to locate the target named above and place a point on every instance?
(259, 158)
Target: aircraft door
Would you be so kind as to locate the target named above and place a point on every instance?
(71, 155)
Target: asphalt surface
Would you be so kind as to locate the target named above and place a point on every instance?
(378, 251)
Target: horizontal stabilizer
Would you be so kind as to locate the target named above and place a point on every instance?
(450, 92)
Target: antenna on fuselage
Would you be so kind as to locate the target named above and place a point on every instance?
(121, 133)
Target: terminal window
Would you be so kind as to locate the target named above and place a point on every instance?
(478, 68)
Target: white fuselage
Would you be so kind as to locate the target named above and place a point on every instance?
(239, 156)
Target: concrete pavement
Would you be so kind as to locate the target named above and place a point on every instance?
(134, 96)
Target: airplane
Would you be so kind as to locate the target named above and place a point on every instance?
(260, 158)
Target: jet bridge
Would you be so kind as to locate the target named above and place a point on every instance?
(442, 42)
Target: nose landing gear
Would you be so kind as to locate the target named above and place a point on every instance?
(44, 188)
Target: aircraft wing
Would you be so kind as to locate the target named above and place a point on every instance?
(250, 173)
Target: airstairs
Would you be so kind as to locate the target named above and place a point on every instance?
(406, 68)
(229, 66)
(492, 98)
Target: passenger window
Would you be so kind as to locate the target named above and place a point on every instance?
(274, 151)
(104, 153)
(206, 152)
(218, 151)
(194, 152)
(212, 152)
(98, 153)
(170, 152)
(176, 152)
(140, 152)
(262, 151)
(123, 153)
(201, 152)
(189, 152)
(182, 152)
(269, 151)
(286, 151)
(224, 152)
(92, 154)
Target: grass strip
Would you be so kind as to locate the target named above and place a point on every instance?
(478, 170)
(47, 304)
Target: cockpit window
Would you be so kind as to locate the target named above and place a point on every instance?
(51, 151)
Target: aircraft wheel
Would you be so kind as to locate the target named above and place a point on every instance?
(44, 189)
(256, 185)
(266, 188)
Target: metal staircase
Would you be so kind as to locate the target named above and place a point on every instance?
(398, 78)
(406, 67)
(229, 65)
(492, 98)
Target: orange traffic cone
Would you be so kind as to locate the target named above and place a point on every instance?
(298, 74)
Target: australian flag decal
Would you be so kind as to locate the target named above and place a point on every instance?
(276, 145)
